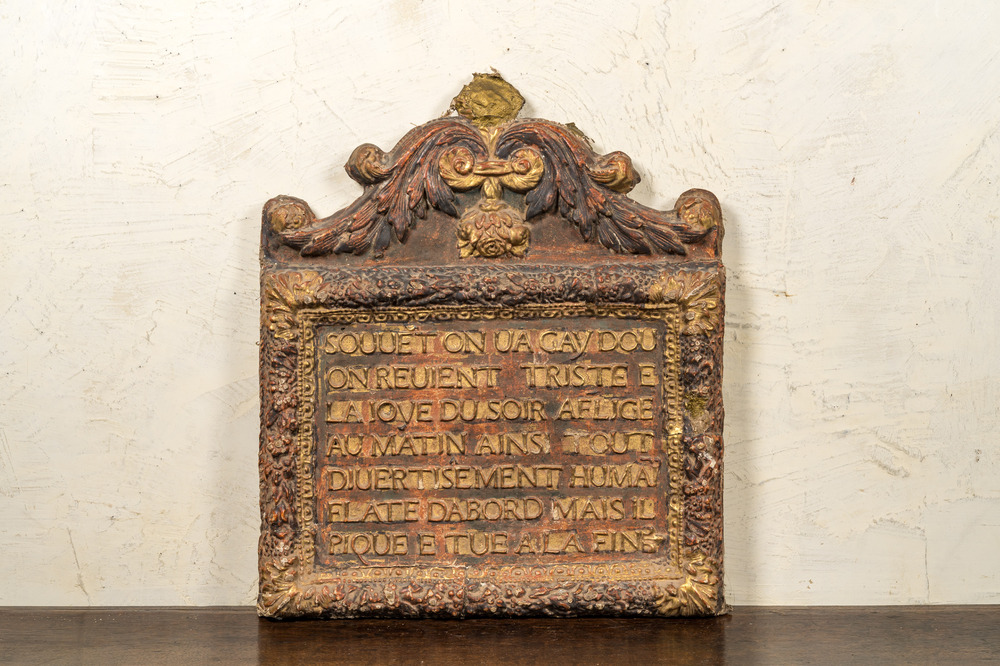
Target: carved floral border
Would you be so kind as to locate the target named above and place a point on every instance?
(285, 587)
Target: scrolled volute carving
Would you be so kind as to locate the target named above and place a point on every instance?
(367, 165)
(615, 172)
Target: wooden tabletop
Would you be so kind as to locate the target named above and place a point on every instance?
(750, 635)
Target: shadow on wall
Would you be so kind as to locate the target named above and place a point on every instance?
(235, 519)
(741, 502)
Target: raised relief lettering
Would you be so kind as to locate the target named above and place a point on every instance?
(513, 341)
(411, 377)
(626, 541)
(446, 477)
(475, 543)
(386, 411)
(589, 443)
(630, 475)
(464, 342)
(418, 444)
(563, 375)
(406, 444)
(390, 511)
(492, 410)
(426, 543)
(424, 427)
(641, 339)
(606, 409)
(344, 445)
(491, 509)
(548, 543)
(379, 342)
(512, 444)
(361, 544)
(588, 508)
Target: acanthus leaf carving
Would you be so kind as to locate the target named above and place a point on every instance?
(699, 593)
(588, 190)
(285, 593)
(284, 294)
(399, 187)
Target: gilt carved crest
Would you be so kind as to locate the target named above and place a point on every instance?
(494, 174)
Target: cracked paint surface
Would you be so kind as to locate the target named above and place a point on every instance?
(854, 147)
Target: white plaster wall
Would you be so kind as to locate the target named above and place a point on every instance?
(854, 146)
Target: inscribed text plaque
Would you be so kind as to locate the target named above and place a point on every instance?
(449, 436)
(496, 406)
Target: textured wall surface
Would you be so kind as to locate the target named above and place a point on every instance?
(854, 146)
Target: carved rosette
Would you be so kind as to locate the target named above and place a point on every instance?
(492, 228)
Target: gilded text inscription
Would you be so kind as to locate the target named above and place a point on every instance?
(450, 436)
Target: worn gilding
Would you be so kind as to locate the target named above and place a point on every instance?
(517, 422)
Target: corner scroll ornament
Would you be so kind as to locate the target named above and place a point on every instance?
(545, 167)
(284, 295)
(700, 299)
